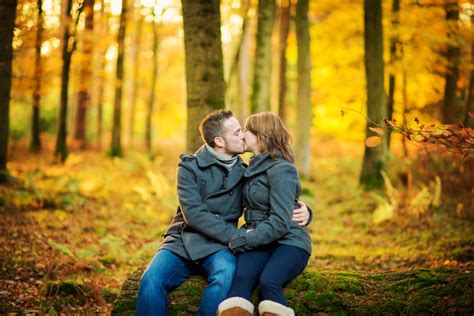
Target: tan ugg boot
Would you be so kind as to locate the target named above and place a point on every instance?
(235, 306)
(271, 308)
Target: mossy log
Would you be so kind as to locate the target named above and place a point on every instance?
(420, 291)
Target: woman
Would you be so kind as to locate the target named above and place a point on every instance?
(274, 249)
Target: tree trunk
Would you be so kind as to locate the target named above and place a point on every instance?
(374, 158)
(244, 65)
(237, 82)
(84, 94)
(116, 145)
(35, 144)
(285, 13)
(61, 150)
(205, 85)
(393, 61)
(303, 103)
(102, 50)
(468, 120)
(136, 70)
(451, 110)
(7, 16)
(154, 76)
(263, 56)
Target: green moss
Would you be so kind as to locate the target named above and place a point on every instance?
(325, 302)
(396, 306)
(422, 304)
(350, 285)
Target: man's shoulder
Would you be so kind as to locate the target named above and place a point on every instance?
(186, 157)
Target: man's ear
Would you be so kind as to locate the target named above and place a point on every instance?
(219, 141)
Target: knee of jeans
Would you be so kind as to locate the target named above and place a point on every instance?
(268, 282)
(149, 285)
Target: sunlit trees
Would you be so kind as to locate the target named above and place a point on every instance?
(205, 84)
(394, 39)
(116, 143)
(285, 13)
(450, 107)
(304, 110)
(101, 33)
(154, 77)
(61, 150)
(85, 82)
(35, 141)
(7, 16)
(374, 157)
(263, 60)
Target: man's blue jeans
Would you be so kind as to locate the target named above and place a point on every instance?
(167, 271)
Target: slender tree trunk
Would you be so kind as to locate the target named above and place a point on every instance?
(450, 110)
(116, 144)
(285, 13)
(404, 111)
(35, 144)
(154, 76)
(136, 71)
(304, 110)
(84, 94)
(7, 16)
(393, 61)
(205, 85)
(61, 150)
(244, 65)
(263, 56)
(237, 88)
(374, 158)
(468, 120)
(102, 50)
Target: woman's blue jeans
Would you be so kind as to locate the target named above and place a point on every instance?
(271, 267)
(167, 271)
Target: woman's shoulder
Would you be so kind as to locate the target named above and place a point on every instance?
(282, 167)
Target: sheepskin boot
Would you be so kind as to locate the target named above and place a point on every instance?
(235, 306)
(271, 308)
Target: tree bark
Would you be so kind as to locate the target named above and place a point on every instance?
(393, 60)
(102, 50)
(450, 110)
(205, 85)
(136, 71)
(116, 144)
(7, 16)
(263, 59)
(303, 103)
(35, 144)
(84, 94)
(61, 150)
(468, 120)
(374, 158)
(237, 82)
(285, 13)
(154, 76)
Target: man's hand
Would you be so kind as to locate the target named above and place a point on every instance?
(301, 215)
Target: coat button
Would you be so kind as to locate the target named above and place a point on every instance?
(231, 192)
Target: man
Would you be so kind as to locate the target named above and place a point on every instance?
(209, 192)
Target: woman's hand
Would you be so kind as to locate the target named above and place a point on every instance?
(301, 215)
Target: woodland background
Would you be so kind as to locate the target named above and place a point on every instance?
(99, 97)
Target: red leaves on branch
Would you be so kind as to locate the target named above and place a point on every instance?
(454, 138)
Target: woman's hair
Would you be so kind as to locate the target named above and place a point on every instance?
(272, 136)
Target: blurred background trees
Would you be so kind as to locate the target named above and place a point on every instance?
(160, 66)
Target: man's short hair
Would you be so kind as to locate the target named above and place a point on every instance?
(213, 125)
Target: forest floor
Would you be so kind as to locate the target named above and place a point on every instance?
(71, 233)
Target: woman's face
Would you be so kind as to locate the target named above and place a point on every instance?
(251, 142)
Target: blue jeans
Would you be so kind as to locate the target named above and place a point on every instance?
(167, 271)
(271, 267)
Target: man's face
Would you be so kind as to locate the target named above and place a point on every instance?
(233, 137)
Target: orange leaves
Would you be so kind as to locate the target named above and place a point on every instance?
(373, 141)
